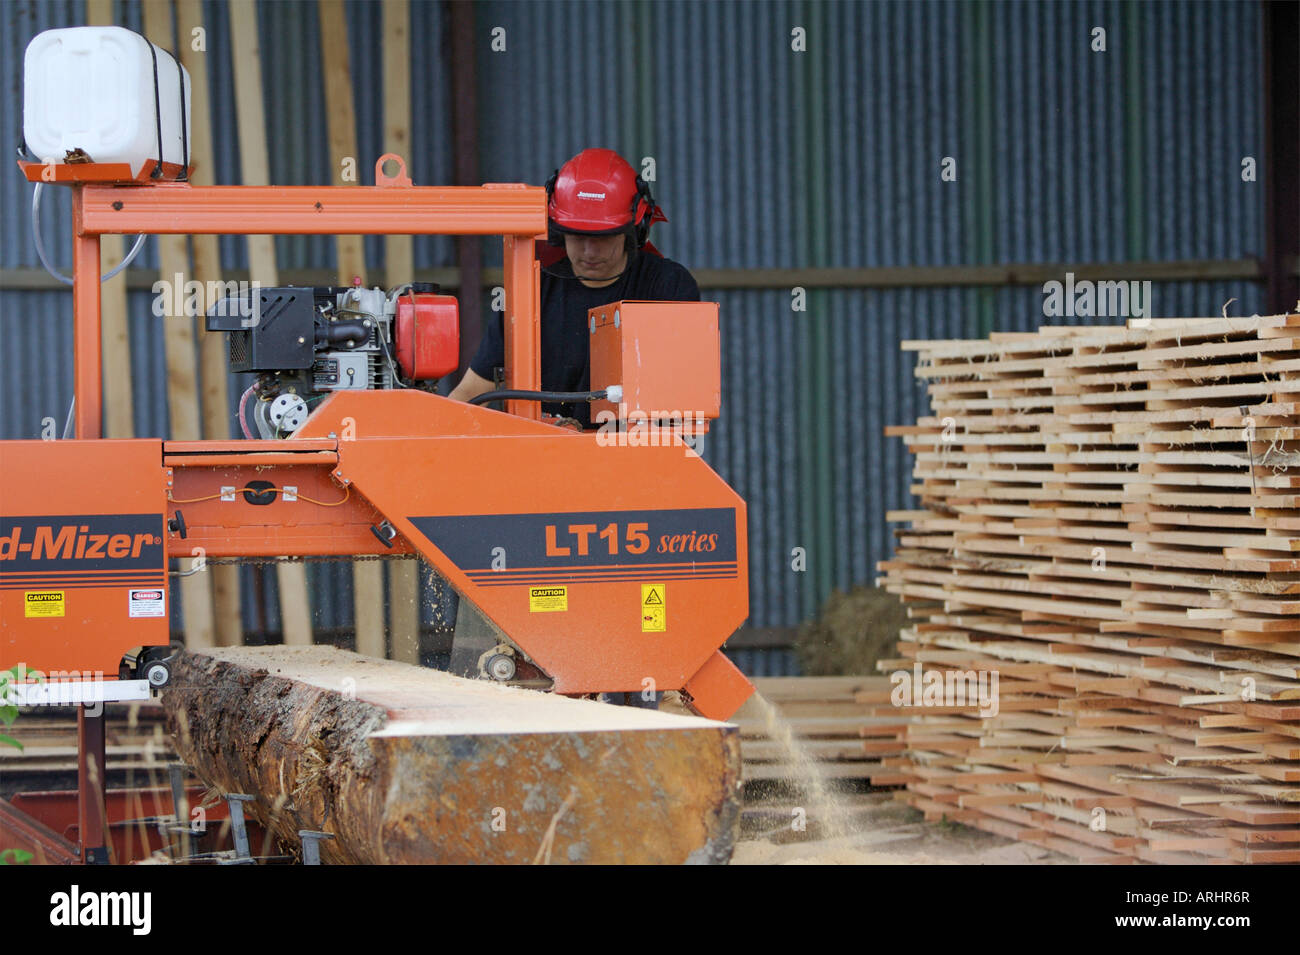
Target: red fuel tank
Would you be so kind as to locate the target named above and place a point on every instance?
(427, 335)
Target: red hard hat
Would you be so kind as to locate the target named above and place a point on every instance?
(597, 192)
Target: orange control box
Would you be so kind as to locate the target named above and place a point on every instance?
(666, 356)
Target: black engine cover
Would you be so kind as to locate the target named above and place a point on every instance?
(278, 336)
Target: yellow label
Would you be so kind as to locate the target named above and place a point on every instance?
(43, 603)
(654, 614)
(546, 599)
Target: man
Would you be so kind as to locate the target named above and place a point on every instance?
(600, 211)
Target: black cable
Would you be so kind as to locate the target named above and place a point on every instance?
(623, 275)
(560, 397)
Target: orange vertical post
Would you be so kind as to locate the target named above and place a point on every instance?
(87, 360)
(523, 331)
(87, 388)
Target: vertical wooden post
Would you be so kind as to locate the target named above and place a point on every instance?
(399, 266)
(367, 576)
(246, 61)
(463, 67)
(1282, 156)
(182, 369)
(213, 354)
(119, 420)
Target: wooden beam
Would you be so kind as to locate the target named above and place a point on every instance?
(1282, 153)
(399, 260)
(295, 610)
(463, 69)
(925, 276)
(182, 371)
(367, 576)
(119, 418)
(213, 350)
(405, 764)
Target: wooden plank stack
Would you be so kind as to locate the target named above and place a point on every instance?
(833, 729)
(138, 748)
(1110, 521)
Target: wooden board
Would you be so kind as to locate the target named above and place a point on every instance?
(213, 350)
(830, 725)
(119, 420)
(291, 578)
(182, 371)
(399, 267)
(367, 576)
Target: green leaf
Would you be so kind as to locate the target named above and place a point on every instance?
(9, 741)
(8, 714)
(15, 857)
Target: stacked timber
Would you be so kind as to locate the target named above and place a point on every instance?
(830, 726)
(138, 749)
(1109, 524)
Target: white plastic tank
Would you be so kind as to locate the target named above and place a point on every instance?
(108, 92)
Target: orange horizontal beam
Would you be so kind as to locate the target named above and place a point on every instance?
(176, 208)
(312, 539)
(260, 459)
(244, 446)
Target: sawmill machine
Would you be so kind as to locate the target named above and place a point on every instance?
(601, 560)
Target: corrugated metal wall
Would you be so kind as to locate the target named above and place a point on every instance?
(769, 158)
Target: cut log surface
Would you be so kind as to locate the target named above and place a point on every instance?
(403, 764)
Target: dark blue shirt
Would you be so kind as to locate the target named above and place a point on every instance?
(566, 359)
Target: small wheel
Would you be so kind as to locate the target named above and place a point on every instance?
(501, 667)
(158, 674)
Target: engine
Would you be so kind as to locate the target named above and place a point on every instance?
(306, 343)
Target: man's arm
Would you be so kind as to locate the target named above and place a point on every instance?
(491, 354)
(471, 386)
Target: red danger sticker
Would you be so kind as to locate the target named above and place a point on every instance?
(147, 603)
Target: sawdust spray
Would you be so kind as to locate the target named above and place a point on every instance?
(805, 773)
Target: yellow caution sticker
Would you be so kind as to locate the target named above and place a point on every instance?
(654, 615)
(547, 599)
(43, 603)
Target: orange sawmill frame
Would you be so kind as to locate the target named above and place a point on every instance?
(355, 482)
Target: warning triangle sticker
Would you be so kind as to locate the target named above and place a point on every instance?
(652, 598)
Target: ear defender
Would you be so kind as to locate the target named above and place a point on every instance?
(641, 228)
(553, 235)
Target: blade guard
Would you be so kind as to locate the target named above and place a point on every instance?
(718, 689)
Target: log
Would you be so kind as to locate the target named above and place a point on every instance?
(403, 764)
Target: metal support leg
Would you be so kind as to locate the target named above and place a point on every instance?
(238, 831)
(92, 768)
(180, 808)
(311, 845)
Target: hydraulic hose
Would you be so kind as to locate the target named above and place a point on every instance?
(40, 246)
(612, 393)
